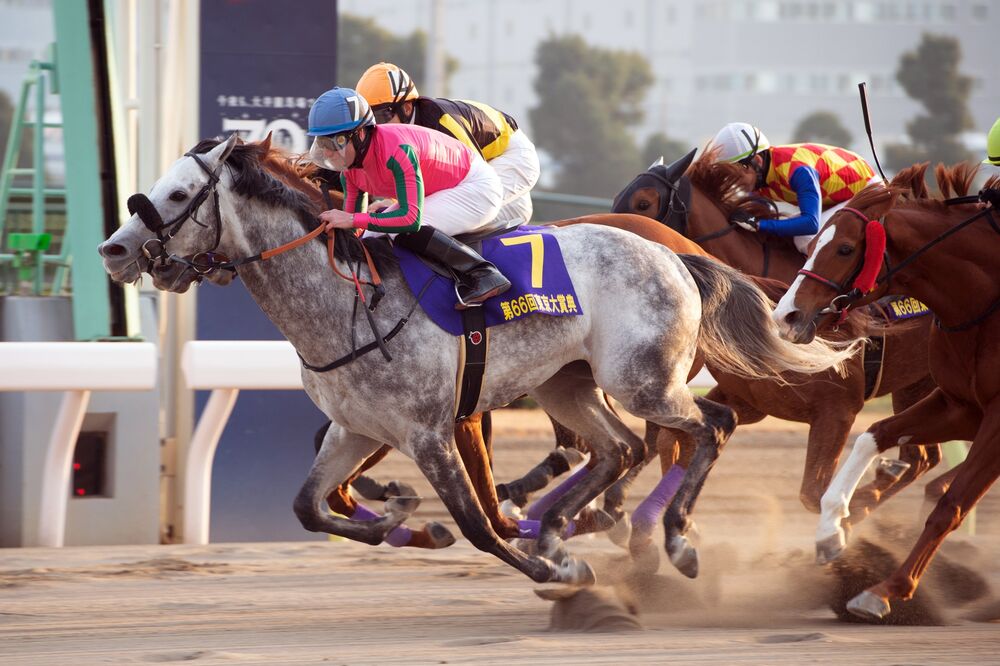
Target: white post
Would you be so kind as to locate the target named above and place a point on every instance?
(56, 472)
(198, 470)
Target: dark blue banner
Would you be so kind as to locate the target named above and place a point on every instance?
(262, 64)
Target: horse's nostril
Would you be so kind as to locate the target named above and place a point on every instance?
(112, 250)
(793, 317)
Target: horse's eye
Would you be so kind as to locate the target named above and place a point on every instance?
(642, 205)
(178, 195)
(845, 250)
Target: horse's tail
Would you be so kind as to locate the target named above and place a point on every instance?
(737, 332)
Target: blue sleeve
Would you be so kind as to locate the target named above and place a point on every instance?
(805, 183)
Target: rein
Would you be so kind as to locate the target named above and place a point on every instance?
(139, 204)
(874, 262)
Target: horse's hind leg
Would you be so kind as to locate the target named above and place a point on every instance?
(440, 462)
(571, 396)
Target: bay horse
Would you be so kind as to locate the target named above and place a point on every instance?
(944, 256)
(640, 328)
(697, 198)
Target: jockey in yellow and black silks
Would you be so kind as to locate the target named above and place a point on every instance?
(493, 134)
(819, 179)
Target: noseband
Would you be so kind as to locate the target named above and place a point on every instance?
(155, 249)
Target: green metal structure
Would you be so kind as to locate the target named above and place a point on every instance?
(32, 271)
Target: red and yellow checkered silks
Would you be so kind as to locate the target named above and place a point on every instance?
(842, 174)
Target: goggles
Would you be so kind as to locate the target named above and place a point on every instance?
(384, 113)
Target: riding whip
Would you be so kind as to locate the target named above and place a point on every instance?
(862, 89)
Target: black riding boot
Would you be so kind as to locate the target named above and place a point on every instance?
(478, 279)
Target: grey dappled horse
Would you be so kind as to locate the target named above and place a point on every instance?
(646, 312)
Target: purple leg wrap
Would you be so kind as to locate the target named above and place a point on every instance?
(536, 510)
(529, 529)
(649, 512)
(398, 537)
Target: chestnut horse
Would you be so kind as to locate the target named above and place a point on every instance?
(944, 256)
(697, 199)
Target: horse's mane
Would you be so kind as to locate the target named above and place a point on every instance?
(908, 189)
(722, 182)
(271, 176)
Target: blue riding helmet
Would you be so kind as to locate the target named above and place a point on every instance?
(339, 110)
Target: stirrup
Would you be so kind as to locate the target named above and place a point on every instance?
(461, 301)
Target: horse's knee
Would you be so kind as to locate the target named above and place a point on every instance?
(306, 511)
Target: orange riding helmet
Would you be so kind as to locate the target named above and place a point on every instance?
(386, 83)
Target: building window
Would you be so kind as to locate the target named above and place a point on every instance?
(979, 12)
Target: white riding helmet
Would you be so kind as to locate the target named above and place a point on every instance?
(739, 142)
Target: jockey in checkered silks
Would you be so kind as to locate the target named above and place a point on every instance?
(819, 179)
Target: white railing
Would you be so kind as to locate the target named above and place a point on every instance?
(225, 367)
(76, 368)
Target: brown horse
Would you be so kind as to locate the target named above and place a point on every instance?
(697, 199)
(944, 256)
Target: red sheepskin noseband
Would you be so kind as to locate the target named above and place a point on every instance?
(874, 253)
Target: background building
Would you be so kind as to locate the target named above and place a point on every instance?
(770, 62)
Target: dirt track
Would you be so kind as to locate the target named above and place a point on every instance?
(758, 600)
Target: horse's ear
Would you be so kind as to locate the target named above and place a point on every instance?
(219, 154)
(266, 143)
(658, 162)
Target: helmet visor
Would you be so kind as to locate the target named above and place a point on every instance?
(328, 151)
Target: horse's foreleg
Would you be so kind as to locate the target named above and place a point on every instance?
(828, 433)
(441, 463)
(476, 458)
(980, 469)
(933, 419)
(341, 454)
(892, 476)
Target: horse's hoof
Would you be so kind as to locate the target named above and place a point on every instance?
(621, 532)
(829, 548)
(575, 572)
(869, 606)
(683, 555)
(400, 489)
(440, 536)
(402, 505)
(893, 468)
(511, 510)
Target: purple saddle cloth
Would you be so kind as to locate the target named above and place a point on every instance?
(529, 257)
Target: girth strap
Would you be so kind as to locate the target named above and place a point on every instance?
(471, 362)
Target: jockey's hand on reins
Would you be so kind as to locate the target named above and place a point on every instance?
(991, 196)
(743, 220)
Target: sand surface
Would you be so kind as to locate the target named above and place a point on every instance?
(759, 600)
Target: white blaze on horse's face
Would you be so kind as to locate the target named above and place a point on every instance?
(786, 306)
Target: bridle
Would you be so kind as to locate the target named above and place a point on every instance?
(869, 275)
(673, 210)
(207, 262)
(155, 249)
